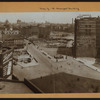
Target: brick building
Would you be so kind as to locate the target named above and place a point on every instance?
(98, 37)
(28, 31)
(85, 37)
(98, 40)
(44, 31)
(12, 38)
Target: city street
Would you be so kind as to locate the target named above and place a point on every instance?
(72, 66)
(50, 52)
(47, 66)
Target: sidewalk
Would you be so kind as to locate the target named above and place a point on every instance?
(89, 62)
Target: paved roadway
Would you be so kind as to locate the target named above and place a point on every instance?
(46, 67)
(42, 59)
(73, 66)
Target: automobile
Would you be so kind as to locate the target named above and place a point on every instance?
(29, 60)
(58, 56)
(25, 61)
(29, 43)
(14, 62)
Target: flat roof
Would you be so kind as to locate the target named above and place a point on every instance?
(66, 83)
(13, 88)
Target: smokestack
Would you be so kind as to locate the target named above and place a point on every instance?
(72, 24)
(72, 21)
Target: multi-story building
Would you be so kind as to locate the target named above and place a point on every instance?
(6, 62)
(85, 37)
(44, 31)
(98, 40)
(29, 31)
(12, 38)
(98, 37)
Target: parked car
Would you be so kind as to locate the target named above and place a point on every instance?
(58, 56)
(29, 43)
(29, 60)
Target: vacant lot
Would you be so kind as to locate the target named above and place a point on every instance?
(50, 51)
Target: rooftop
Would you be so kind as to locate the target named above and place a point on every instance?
(13, 87)
(73, 84)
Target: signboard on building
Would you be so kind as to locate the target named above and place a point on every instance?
(6, 66)
(11, 32)
(12, 38)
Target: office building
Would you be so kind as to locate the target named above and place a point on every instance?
(85, 37)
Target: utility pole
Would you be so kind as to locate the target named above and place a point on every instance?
(2, 35)
(53, 78)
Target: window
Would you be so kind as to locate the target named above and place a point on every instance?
(88, 31)
(89, 25)
(85, 25)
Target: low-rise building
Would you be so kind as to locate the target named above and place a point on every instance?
(12, 38)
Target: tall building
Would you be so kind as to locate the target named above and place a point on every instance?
(85, 37)
(98, 37)
(44, 31)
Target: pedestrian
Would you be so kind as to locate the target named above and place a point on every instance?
(41, 77)
(56, 60)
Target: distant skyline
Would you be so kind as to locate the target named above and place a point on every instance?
(53, 17)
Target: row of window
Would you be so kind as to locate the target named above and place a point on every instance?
(86, 45)
(87, 31)
(87, 22)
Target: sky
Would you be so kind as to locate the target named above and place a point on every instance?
(53, 17)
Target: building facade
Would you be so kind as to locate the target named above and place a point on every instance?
(29, 31)
(6, 63)
(12, 38)
(85, 37)
(98, 37)
(44, 31)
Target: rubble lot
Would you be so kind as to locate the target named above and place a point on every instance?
(52, 50)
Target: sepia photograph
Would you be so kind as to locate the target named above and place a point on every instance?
(49, 52)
